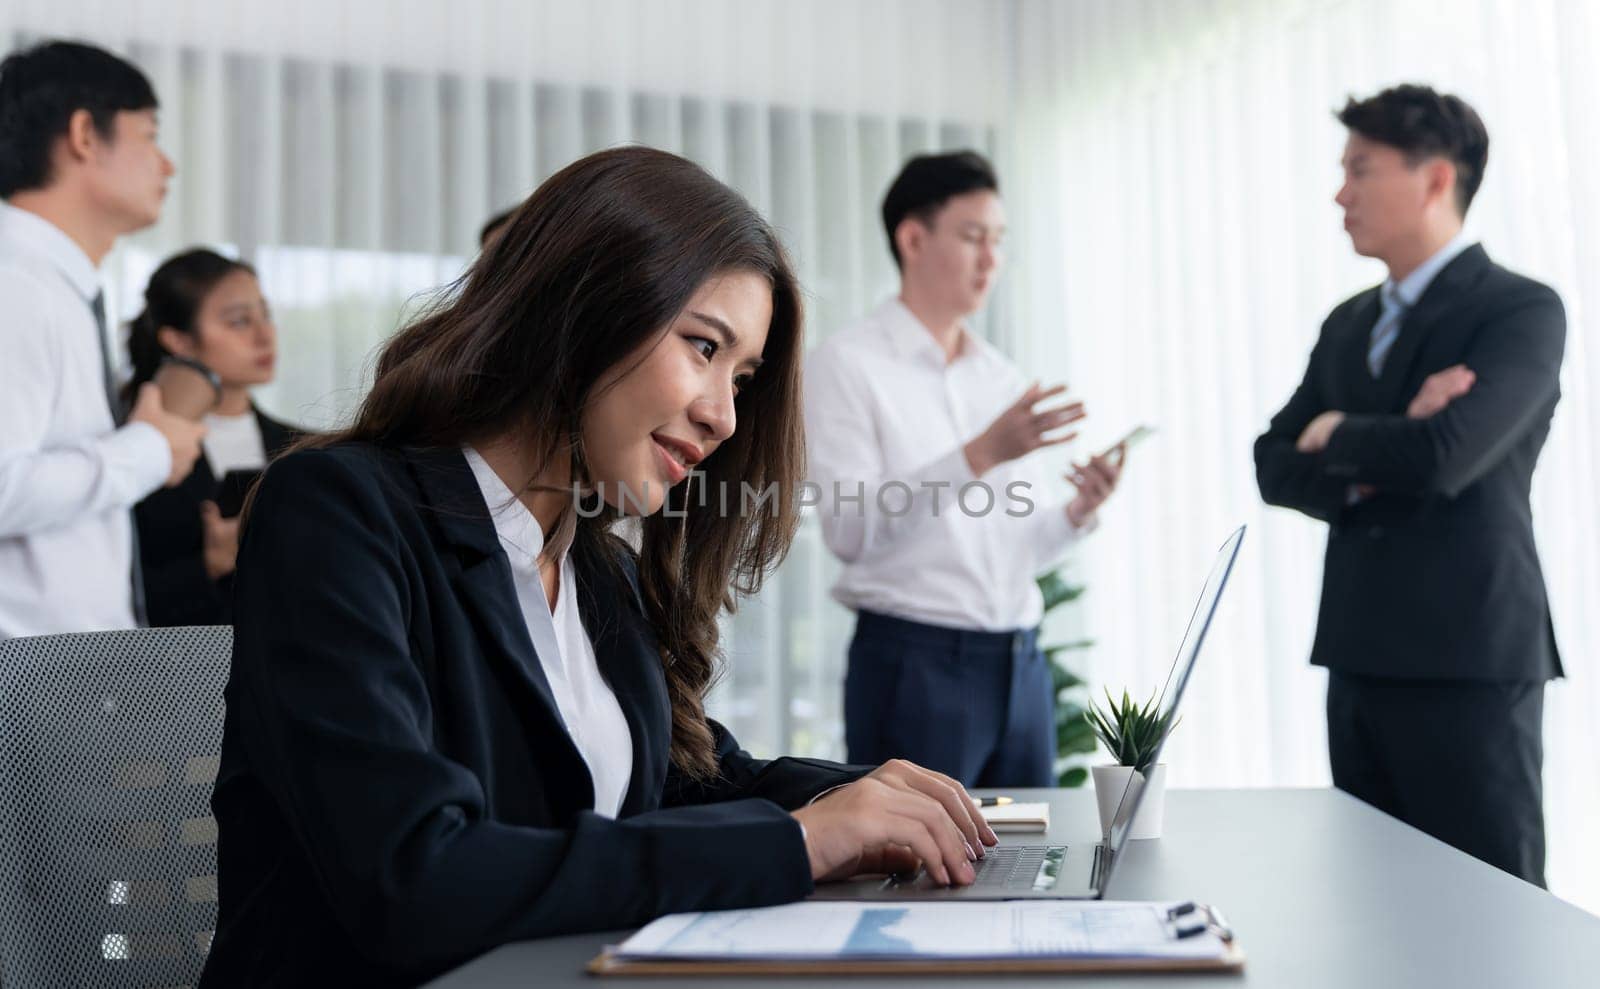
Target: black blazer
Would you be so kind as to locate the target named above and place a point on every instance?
(177, 590)
(397, 792)
(1435, 577)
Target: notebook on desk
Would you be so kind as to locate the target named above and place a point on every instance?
(1018, 817)
(1038, 936)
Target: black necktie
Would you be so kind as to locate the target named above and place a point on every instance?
(108, 371)
(108, 367)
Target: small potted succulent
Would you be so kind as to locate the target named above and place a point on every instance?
(1132, 733)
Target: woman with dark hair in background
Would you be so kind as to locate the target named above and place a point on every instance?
(462, 712)
(203, 307)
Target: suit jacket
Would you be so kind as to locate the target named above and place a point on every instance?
(397, 791)
(177, 589)
(1435, 577)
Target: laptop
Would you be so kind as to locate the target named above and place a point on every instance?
(1060, 872)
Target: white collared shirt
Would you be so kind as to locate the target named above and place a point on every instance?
(233, 443)
(67, 477)
(888, 417)
(593, 718)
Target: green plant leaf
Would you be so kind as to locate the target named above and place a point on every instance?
(1075, 738)
(1062, 678)
(1103, 729)
(1077, 731)
(1130, 731)
(1074, 646)
(1056, 591)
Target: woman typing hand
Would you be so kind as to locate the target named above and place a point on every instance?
(893, 819)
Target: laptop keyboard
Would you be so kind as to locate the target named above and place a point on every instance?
(1019, 867)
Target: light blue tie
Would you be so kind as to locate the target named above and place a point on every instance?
(1386, 328)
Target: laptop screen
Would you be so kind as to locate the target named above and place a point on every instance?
(1172, 690)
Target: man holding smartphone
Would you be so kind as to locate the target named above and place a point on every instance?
(919, 438)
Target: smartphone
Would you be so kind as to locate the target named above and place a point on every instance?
(1134, 437)
(188, 388)
(236, 484)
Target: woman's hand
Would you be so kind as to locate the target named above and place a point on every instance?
(894, 818)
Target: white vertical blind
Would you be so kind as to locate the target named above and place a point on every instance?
(351, 149)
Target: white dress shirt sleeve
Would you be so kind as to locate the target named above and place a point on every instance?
(1053, 534)
(46, 483)
(845, 460)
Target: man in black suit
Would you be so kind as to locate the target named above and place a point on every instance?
(1414, 436)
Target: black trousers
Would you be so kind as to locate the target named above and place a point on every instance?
(976, 706)
(1460, 760)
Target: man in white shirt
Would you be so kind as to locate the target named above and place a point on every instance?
(79, 167)
(919, 435)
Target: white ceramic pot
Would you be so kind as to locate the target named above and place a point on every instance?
(1109, 783)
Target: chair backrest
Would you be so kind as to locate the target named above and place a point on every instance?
(109, 743)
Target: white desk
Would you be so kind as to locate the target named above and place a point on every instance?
(1323, 891)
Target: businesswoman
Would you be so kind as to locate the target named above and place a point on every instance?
(462, 711)
(204, 307)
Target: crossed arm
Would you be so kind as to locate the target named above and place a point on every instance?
(1461, 423)
(1437, 392)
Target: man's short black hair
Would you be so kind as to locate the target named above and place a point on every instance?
(1423, 124)
(927, 182)
(42, 87)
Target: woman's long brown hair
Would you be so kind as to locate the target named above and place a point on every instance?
(594, 266)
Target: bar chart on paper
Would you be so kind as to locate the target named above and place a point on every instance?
(922, 930)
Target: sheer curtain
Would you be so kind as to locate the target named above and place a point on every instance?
(1184, 158)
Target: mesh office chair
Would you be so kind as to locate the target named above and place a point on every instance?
(109, 743)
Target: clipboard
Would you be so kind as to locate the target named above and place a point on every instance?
(1178, 923)
(607, 963)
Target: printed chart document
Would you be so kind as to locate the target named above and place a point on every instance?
(834, 931)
